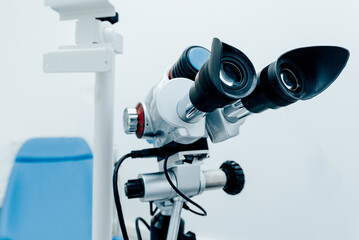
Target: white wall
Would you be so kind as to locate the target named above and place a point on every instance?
(300, 162)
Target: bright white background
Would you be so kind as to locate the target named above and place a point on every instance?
(301, 163)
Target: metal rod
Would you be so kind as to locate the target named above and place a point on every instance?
(187, 112)
(175, 221)
(103, 156)
(235, 111)
(215, 179)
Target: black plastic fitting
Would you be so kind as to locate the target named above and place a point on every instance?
(235, 177)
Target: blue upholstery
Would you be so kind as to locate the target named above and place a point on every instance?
(117, 237)
(49, 194)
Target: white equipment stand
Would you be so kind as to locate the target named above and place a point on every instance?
(97, 43)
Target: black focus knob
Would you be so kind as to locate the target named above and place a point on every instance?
(134, 188)
(235, 177)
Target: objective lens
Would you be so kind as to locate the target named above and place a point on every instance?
(231, 74)
(189, 63)
(290, 81)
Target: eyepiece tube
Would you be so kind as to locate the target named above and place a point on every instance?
(300, 74)
(225, 78)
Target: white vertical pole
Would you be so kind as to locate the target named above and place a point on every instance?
(103, 156)
(97, 43)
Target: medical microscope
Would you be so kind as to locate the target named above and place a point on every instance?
(209, 94)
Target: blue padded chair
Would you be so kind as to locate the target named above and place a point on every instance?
(49, 195)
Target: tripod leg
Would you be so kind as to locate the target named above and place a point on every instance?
(159, 227)
(175, 219)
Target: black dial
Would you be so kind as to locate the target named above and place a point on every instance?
(235, 177)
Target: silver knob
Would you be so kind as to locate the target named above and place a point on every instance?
(130, 120)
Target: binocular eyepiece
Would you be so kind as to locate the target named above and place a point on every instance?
(300, 74)
(221, 77)
(225, 76)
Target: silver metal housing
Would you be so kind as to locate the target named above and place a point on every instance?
(224, 123)
(161, 114)
(130, 120)
(219, 128)
(187, 177)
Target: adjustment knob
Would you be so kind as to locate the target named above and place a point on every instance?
(130, 121)
(134, 188)
(235, 177)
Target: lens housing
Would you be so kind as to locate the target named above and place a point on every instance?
(226, 77)
(300, 74)
(232, 74)
(189, 63)
(290, 80)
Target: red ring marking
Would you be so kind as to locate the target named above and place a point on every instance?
(140, 120)
(170, 74)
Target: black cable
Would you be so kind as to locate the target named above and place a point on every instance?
(117, 196)
(185, 206)
(138, 227)
(180, 193)
(151, 152)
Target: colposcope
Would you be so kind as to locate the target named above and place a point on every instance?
(210, 94)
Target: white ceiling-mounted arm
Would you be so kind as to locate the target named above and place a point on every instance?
(97, 43)
(76, 9)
